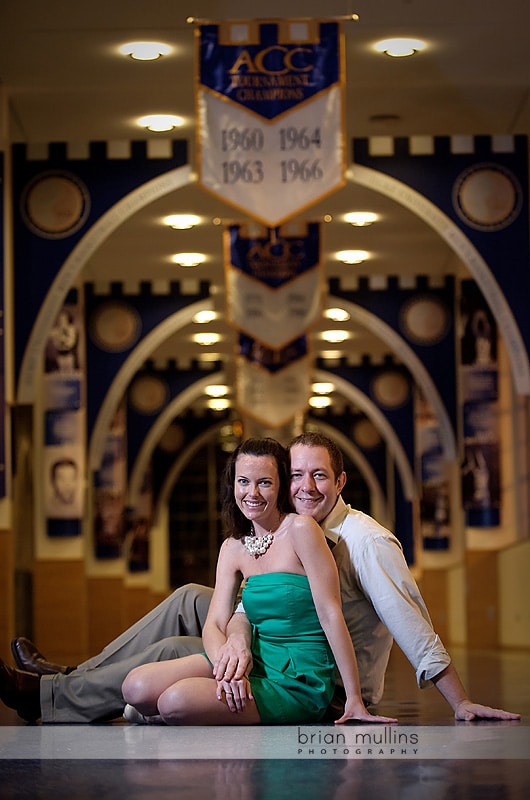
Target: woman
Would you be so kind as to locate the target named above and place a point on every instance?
(292, 598)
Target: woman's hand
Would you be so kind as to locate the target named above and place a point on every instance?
(357, 711)
(234, 657)
(236, 692)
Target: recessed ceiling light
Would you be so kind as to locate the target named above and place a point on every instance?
(399, 47)
(161, 122)
(206, 339)
(360, 218)
(352, 256)
(337, 314)
(188, 259)
(145, 51)
(204, 316)
(323, 387)
(334, 336)
(319, 401)
(218, 404)
(182, 222)
(216, 390)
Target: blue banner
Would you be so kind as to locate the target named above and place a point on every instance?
(274, 281)
(269, 73)
(270, 103)
(480, 393)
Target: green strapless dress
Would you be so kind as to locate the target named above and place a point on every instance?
(293, 676)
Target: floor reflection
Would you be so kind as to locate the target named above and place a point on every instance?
(496, 678)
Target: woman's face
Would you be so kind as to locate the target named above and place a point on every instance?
(256, 487)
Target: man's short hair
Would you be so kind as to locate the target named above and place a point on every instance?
(317, 439)
(62, 462)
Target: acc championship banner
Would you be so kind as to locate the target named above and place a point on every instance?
(274, 281)
(270, 108)
(272, 385)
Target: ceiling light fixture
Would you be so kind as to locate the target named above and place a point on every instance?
(201, 317)
(161, 122)
(218, 404)
(182, 222)
(216, 390)
(322, 387)
(337, 314)
(352, 256)
(145, 51)
(400, 47)
(318, 401)
(188, 259)
(334, 336)
(360, 218)
(206, 339)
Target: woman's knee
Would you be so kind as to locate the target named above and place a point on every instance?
(173, 704)
(134, 687)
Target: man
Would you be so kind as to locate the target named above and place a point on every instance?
(64, 498)
(64, 479)
(381, 602)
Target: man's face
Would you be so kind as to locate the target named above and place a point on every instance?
(65, 481)
(314, 488)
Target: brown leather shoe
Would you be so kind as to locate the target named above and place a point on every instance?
(28, 658)
(21, 691)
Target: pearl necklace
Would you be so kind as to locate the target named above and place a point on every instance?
(258, 545)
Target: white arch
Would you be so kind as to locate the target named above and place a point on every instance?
(414, 365)
(125, 374)
(381, 423)
(173, 474)
(72, 266)
(172, 410)
(451, 233)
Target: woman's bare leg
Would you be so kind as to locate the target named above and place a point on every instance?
(143, 685)
(194, 701)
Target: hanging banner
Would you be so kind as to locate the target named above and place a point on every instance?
(64, 471)
(432, 470)
(110, 490)
(273, 281)
(270, 110)
(138, 525)
(2, 344)
(480, 393)
(272, 385)
(65, 422)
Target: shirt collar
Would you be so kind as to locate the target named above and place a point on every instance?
(332, 524)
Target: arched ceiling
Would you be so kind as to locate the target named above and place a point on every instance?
(63, 80)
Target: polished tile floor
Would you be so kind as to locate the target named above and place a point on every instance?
(428, 755)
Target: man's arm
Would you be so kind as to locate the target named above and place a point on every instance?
(450, 687)
(234, 663)
(388, 583)
(234, 659)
